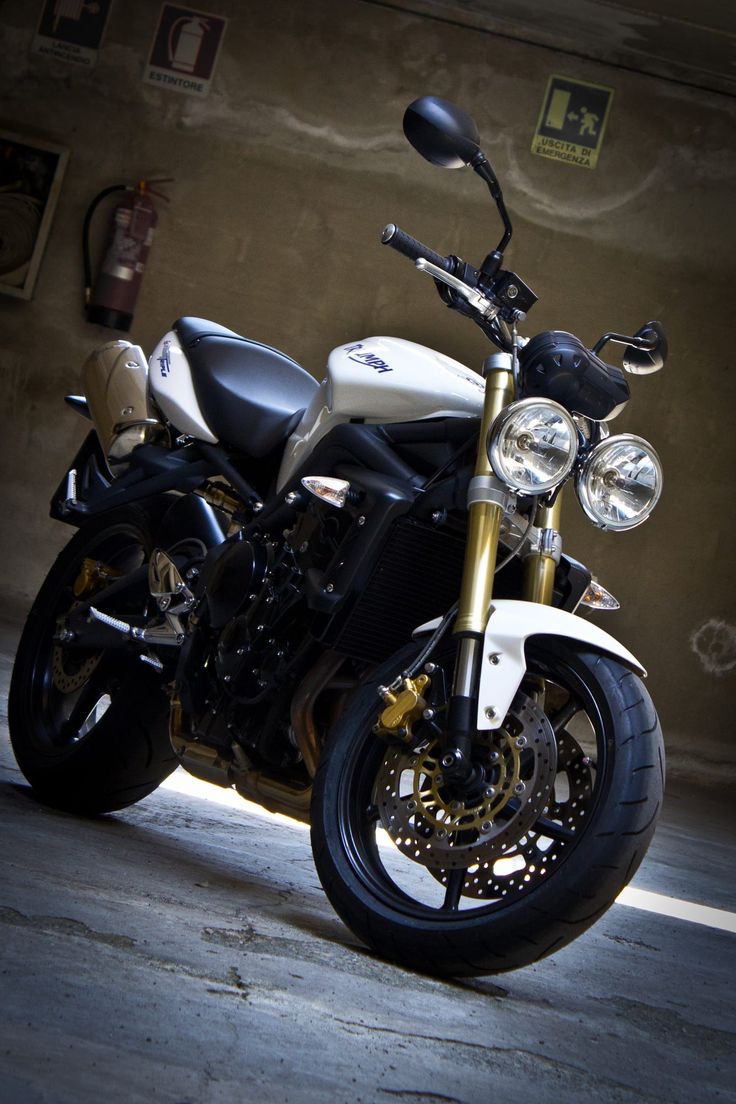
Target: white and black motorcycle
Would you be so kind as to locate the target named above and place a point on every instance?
(349, 601)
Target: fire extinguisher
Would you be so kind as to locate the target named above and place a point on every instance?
(112, 300)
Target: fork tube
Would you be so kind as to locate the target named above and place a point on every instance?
(540, 566)
(484, 522)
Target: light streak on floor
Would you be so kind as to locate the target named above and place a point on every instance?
(677, 909)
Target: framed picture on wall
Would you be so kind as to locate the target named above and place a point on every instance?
(31, 172)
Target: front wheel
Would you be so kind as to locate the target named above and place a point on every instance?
(573, 783)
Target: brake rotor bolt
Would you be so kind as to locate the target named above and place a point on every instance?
(411, 806)
(485, 826)
(441, 833)
(520, 741)
(494, 756)
(519, 788)
(489, 791)
(438, 779)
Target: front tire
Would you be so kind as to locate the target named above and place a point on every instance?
(89, 728)
(502, 894)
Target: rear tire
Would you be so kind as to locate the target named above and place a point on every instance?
(545, 883)
(89, 729)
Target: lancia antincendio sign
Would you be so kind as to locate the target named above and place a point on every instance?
(572, 121)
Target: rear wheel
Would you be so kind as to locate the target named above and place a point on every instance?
(573, 785)
(89, 727)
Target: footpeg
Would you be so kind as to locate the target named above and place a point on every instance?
(151, 661)
(166, 635)
(116, 624)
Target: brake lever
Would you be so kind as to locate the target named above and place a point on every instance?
(475, 298)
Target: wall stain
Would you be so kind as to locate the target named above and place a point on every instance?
(714, 643)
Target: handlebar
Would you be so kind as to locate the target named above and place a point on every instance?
(404, 243)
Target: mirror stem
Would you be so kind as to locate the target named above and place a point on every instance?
(645, 343)
(481, 165)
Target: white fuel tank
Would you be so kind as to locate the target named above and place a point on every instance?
(384, 379)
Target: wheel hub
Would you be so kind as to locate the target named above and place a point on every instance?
(426, 820)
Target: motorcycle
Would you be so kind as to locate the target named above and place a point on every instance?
(349, 601)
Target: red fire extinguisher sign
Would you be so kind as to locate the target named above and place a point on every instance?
(184, 50)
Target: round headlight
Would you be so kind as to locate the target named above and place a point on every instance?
(620, 482)
(532, 445)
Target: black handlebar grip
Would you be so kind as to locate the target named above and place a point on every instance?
(413, 249)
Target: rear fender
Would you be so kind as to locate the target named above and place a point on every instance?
(510, 625)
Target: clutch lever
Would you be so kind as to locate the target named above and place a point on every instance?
(485, 307)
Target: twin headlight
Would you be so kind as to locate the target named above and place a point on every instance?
(620, 482)
(533, 446)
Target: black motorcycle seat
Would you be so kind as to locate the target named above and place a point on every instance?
(252, 396)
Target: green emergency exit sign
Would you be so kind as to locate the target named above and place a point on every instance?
(572, 121)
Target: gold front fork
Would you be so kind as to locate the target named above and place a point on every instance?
(540, 566)
(484, 517)
(485, 512)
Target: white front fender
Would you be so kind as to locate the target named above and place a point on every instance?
(504, 663)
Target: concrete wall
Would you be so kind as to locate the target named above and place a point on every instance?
(285, 176)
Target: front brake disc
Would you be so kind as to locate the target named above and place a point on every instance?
(431, 826)
(532, 857)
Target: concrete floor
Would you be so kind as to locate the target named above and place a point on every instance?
(183, 951)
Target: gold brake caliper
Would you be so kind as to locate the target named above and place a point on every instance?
(402, 709)
(91, 574)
